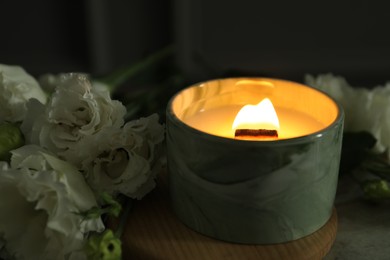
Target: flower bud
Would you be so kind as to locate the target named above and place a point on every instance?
(105, 246)
(376, 190)
(10, 138)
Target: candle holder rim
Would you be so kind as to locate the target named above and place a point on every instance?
(299, 139)
(221, 139)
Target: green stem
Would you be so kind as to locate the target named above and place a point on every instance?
(120, 76)
(123, 219)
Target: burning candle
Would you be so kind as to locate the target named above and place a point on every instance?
(296, 115)
(260, 116)
(220, 121)
(268, 188)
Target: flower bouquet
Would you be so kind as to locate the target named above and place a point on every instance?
(68, 157)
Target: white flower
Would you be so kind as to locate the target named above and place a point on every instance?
(74, 112)
(365, 109)
(101, 87)
(49, 82)
(40, 198)
(16, 88)
(127, 159)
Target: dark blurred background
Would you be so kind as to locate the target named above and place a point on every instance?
(283, 39)
(95, 36)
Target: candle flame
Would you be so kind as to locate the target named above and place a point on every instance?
(260, 116)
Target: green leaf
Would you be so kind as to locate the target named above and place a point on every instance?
(113, 206)
(109, 206)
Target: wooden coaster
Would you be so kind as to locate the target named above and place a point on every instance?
(153, 232)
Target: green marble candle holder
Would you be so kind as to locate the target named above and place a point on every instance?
(253, 192)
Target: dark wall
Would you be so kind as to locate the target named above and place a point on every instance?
(123, 31)
(283, 39)
(43, 35)
(93, 36)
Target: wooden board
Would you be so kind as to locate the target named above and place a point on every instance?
(153, 232)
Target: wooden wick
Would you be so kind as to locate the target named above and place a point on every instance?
(255, 134)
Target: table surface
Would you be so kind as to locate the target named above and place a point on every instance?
(363, 228)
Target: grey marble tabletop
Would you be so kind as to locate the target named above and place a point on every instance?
(363, 228)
